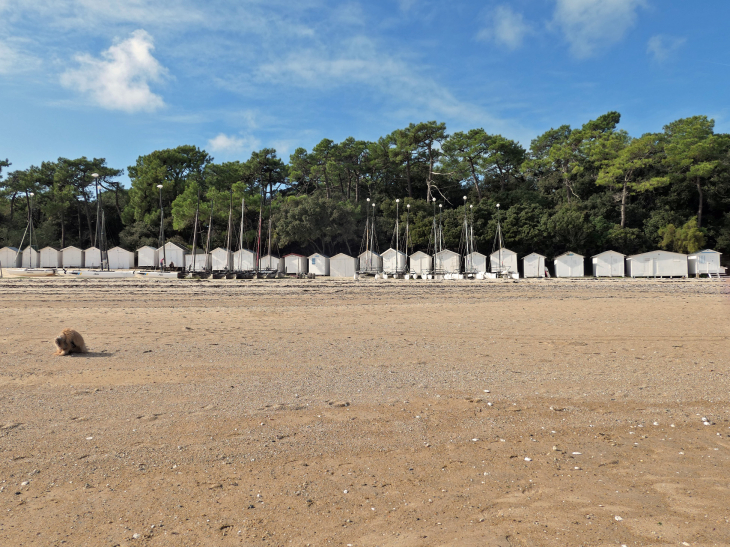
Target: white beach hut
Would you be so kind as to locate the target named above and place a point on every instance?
(504, 261)
(394, 261)
(221, 260)
(446, 261)
(51, 258)
(271, 262)
(657, 264)
(421, 263)
(319, 264)
(10, 257)
(31, 258)
(342, 265)
(173, 254)
(243, 260)
(533, 265)
(475, 263)
(704, 262)
(120, 259)
(370, 262)
(197, 262)
(569, 265)
(608, 264)
(147, 257)
(295, 264)
(72, 257)
(92, 258)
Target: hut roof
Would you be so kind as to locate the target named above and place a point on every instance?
(341, 256)
(71, 247)
(568, 253)
(49, 247)
(658, 251)
(420, 253)
(504, 251)
(608, 252)
(324, 256)
(536, 254)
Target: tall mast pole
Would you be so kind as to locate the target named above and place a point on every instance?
(228, 232)
(240, 243)
(162, 233)
(210, 227)
(97, 232)
(30, 225)
(397, 236)
(195, 229)
(499, 233)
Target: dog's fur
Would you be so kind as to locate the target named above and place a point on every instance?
(69, 341)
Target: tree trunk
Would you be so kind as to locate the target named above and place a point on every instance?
(12, 205)
(623, 205)
(88, 216)
(476, 180)
(63, 230)
(699, 209)
(408, 176)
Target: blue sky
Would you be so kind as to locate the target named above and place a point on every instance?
(121, 78)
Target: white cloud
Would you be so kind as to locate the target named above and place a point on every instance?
(13, 59)
(120, 79)
(662, 46)
(232, 144)
(505, 27)
(589, 25)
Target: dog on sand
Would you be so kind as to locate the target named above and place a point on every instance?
(69, 341)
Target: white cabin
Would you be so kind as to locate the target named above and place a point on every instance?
(221, 260)
(533, 265)
(446, 261)
(147, 257)
(271, 262)
(319, 264)
(569, 265)
(475, 263)
(197, 262)
(174, 255)
(421, 263)
(31, 258)
(10, 257)
(51, 258)
(295, 264)
(342, 265)
(370, 262)
(504, 261)
(608, 264)
(120, 259)
(657, 264)
(704, 262)
(72, 257)
(92, 258)
(394, 261)
(243, 260)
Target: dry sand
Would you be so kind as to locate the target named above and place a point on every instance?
(391, 413)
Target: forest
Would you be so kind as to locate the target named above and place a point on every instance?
(585, 189)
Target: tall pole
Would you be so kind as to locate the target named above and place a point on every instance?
(97, 233)
(195, 229)
(30, 225)
(397, 236)
(499, 233)
(228, 233)
(240, 244)
(162, 232)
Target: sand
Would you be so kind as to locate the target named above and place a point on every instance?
(393, 413)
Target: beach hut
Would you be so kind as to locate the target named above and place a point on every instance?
(31, 258)
(92, 258)
(394, 261)
(147, 257)
(342, 265)
(295, 264)
(504, 261)
(10, 257)
(608, 264)
(704, 262)
(173, 254)
(569, 265)
(51, 258)
(446, 261)
(72, 257)
(271, 262)
(120, 259)
(370, 262)
(475, 263)
(221, 260)
(657, 264)
(197, 262)
(243, 260)
(533, 265)
(421, 263)
(319, 264)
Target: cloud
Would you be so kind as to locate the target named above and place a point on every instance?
(589, 25)
(120, 79)
(13, 59)
(662, 46)
(232, 144)
(505, 27)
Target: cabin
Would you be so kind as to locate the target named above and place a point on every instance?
(10, 257)
(504, 261)
(569, 265)
(221, 260)
(370, 262)
(72, 257)
(271, 263)
(295, 264)
(394, 261)
(475, 263)
(342, 265)
(446, 261)
(657, 264)
(421, 263)
(120, 259)
(704, 262)
(92, 258)
(608, 264)
(173, 255)
(51, 258)
(243, 260)
(31, 258)
(197, 262)
(147, 257)
(319, 264)
(533, 265)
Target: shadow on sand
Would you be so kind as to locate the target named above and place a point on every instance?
(93, 354)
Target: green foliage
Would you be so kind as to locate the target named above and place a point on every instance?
(687, 239)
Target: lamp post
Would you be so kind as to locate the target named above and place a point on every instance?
(162, 232)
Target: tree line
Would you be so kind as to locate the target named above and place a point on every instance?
(584, 189)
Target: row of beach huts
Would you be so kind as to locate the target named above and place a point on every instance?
(445, 263)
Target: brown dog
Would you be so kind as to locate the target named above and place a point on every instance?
(69, 341)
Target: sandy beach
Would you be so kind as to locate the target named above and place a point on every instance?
(389, 413)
